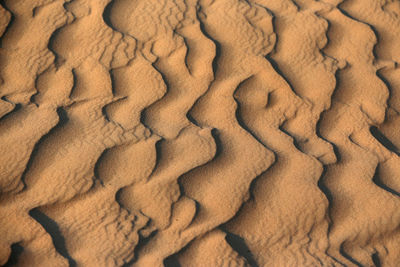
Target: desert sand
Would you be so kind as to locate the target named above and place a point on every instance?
(199, 133)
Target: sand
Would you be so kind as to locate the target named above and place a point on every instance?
(199, 133)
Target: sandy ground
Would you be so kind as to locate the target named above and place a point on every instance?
(199, 133)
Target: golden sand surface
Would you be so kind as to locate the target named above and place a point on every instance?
(199, 133)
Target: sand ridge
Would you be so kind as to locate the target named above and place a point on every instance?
(199, 133)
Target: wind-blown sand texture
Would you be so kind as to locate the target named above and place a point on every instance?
(199, 133)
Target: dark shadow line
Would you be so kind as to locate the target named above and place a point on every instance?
(294, 141)
(348, 257)
(16, 251)
(174, 257)
(97, 165)
(158, 148)
(377, 180)
(218, 48)
(383, 140)
(376, 260)
(240, 119)
(58, 60)
(12, 20)
(388, 86)
(218, 143)
(172, 261)
(107, 17)
(239, 245)
(16, 108)
(324, 188)
(53, 230)
(63, 119)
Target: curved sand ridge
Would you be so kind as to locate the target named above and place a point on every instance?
(199, 133)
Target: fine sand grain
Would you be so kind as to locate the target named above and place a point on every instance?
(199, 133)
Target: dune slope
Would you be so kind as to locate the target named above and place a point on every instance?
(199, 133)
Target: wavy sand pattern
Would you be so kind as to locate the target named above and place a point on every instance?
(199, 133)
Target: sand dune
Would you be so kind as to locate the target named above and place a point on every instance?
(199, 133)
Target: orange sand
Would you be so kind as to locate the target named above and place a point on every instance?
(199, 133)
